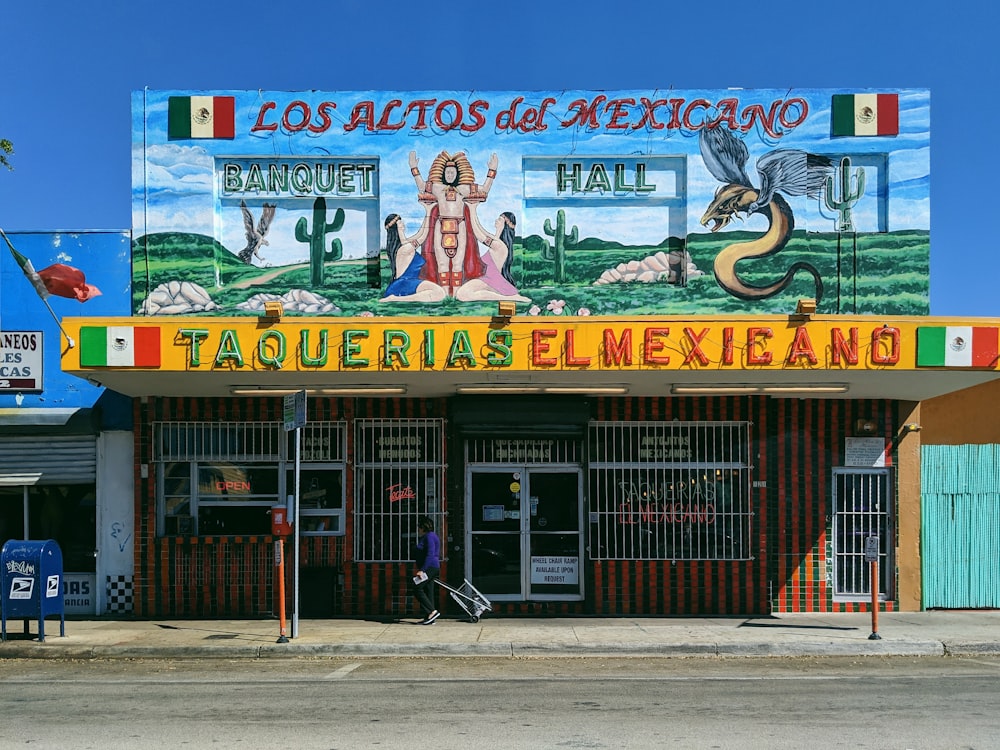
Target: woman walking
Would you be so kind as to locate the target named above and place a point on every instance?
(428, 568)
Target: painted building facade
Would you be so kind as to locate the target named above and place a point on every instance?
(532, 317)
(66, 444)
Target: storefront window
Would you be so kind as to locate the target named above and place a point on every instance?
(398, 479)
(669, 491)
(64, 513)
(321, 498)
(227, 483)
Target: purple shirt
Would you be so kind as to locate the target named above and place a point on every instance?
(429, 551)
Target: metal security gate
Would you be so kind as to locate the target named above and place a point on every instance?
(862, 503)
(960, 526)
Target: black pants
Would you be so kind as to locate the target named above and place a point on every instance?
(423, 591)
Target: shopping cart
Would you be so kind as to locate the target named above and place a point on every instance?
(468, 598)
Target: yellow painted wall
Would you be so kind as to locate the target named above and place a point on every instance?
(971, 415)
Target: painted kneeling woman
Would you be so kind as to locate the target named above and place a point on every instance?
(496, 282)
(407, 263)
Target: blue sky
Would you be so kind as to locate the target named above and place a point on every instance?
(69, 70)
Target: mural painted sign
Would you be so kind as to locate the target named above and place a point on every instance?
(577, 202)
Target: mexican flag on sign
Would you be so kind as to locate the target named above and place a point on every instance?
(864, 114)
(201, 117)
(957, 346)
(119, 346)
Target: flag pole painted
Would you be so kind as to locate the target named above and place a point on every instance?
(36, 282)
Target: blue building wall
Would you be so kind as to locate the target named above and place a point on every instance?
(105, 259)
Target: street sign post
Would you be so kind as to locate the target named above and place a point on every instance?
(871, 557)
(295, 419)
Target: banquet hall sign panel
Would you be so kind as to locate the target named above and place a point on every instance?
(571, 203)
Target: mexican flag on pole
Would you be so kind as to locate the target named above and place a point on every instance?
(957, 346)
(201, 117)
(119, 346)
(57, 279)
(864, 114)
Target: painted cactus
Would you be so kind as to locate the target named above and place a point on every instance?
(317, 240)
(847, 197)
(560, 241)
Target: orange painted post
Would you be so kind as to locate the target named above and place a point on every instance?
(874, 636)
(279, 558)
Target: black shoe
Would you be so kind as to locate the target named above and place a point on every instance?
(431, 617)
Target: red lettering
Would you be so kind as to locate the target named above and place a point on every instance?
(571, 359)
(652, 345)
(259, 125)
(478, 120)
(325, 121)
(421, 105)
(839, 347)
(383, 121)
(232, 486)
(398, 492)
(801, 347)
(649, 114)
(699, 104)
(727, 345)
(362, 114)
(755, 112)
(753, 333)
(801, 109)
(540, 122)
(531, 120)
(615, 352)
(625, 515)
(540, 347)
(619, 111)
(675, 113)
(696, 352)
(586, 113)
(880, 337)
(727, 114)
(301, 108)
(456, 117)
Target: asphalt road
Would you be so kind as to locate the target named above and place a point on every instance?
(341, 704)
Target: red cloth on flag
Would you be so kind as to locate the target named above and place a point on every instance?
(66, 281)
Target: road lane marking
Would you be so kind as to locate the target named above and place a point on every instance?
(342, 672)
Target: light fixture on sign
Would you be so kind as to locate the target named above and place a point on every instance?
(347, 390)
(273, 310)
(739, 389)
(576, 390)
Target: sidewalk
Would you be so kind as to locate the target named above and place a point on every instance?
(934, 633)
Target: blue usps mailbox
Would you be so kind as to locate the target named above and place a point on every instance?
(31, 574)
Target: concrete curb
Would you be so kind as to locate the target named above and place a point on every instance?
(502, 650)
(972, 649)
(302, 650)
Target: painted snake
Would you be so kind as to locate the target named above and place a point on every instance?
(786, 170)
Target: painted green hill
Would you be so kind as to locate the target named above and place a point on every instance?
(885, 273)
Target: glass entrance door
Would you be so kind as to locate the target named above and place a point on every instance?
(525, 540)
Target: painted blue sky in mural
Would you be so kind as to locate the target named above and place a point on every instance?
(67, 103)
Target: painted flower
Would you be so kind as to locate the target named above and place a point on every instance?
(534, 310)
(556, 306)
(583, 311)
(366, 314)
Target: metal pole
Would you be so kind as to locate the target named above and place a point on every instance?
(280, 554)
(295, 567)
(874, 577)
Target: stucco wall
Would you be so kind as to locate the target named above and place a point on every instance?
(971, 415)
